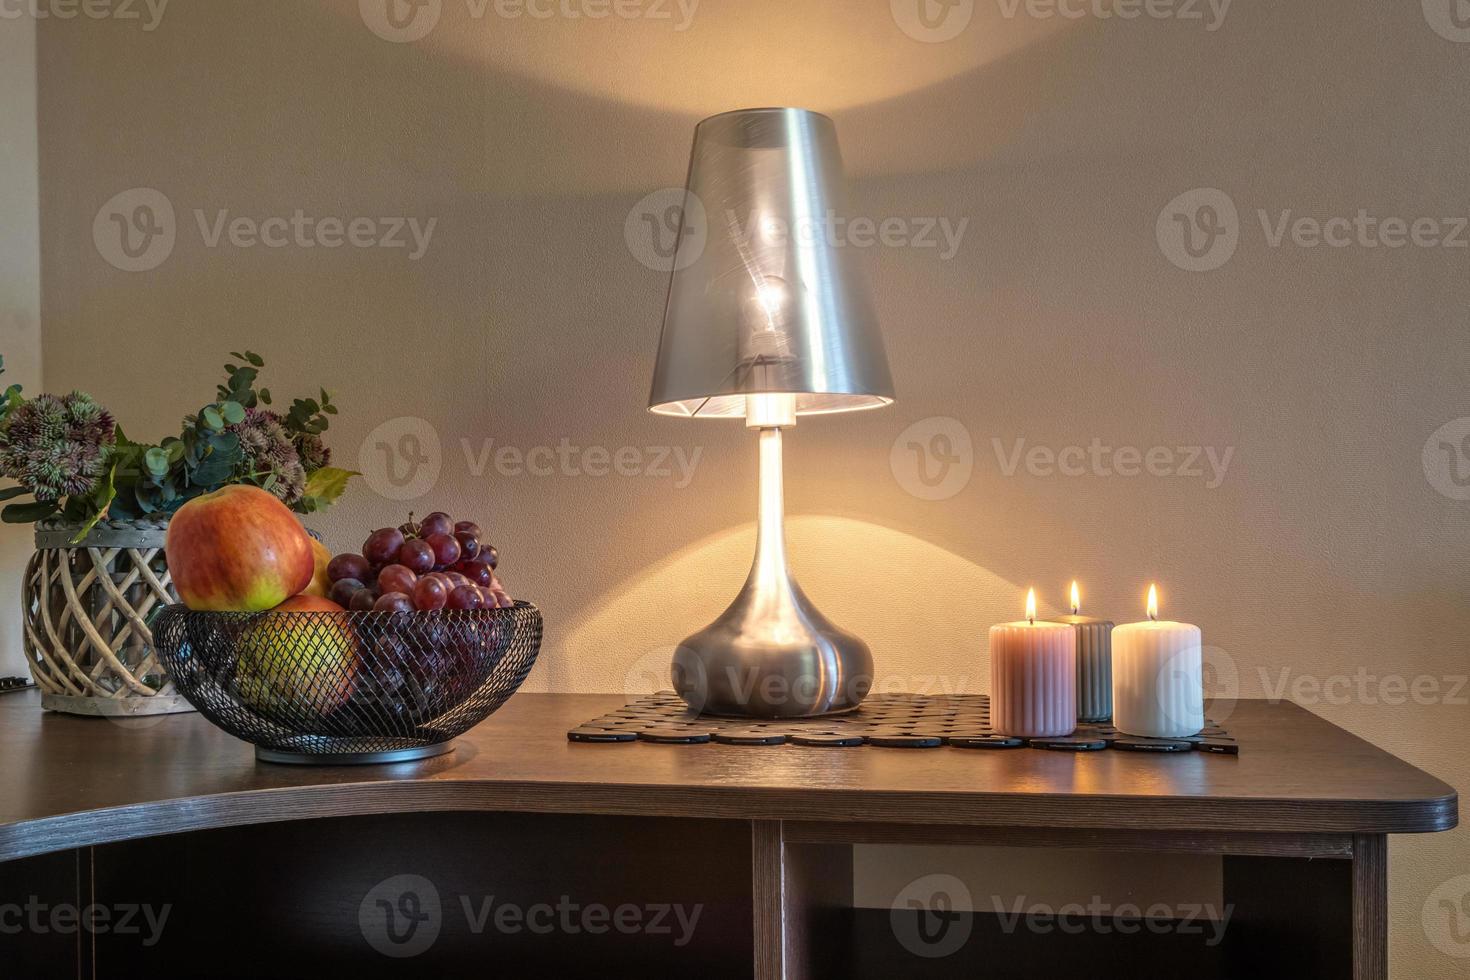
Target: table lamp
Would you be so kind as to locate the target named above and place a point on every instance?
(768, 318)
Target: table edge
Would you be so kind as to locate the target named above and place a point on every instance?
(106, 825)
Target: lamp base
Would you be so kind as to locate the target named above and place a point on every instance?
(773, 660)
(772, 654)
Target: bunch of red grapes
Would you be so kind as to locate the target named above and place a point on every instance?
(426, 566)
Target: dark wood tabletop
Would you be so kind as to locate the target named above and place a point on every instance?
(68, 781)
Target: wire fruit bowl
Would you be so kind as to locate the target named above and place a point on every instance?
(348, 687)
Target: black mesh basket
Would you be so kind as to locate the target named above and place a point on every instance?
(340, 687)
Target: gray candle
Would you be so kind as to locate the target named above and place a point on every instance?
(1094, 662)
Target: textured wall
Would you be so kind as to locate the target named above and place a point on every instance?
(20, 282)
(1070, 310)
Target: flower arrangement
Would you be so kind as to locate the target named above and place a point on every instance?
(70, 455)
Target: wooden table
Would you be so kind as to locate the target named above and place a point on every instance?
(171, 811)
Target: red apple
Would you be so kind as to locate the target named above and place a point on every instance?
(238, 548)
(295, 665)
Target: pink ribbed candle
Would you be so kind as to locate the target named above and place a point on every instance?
(1033, 679)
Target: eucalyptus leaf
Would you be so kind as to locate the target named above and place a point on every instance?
(212, 418)
(233, 412)
(27, 513)
(156, 460)
(10, 493)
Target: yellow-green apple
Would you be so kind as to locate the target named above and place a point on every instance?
(238, 548)
(321, 582)
(293, 664)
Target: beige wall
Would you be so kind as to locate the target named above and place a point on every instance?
(1059, 319)
(20, 283)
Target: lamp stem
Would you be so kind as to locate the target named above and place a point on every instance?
(772, 583)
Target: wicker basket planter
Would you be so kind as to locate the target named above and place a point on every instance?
(86, 608)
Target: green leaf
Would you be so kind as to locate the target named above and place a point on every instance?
(265, 395)
(27, 513)
(254, 358)
(10, 493)
(156, 460)
(233, 412)
(212, 418)
(99, 501)
(328, 483)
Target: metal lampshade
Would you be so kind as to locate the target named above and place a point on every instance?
(768, 319)
(765, 296)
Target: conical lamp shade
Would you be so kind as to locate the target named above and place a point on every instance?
(766, 295)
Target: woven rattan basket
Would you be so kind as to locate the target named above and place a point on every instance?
(87, 607)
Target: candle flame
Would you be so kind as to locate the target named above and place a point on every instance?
(1031, 605)
(1153, 602)
(1076, 599)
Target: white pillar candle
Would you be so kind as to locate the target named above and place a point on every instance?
(1033, 677)
(1158, 677)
